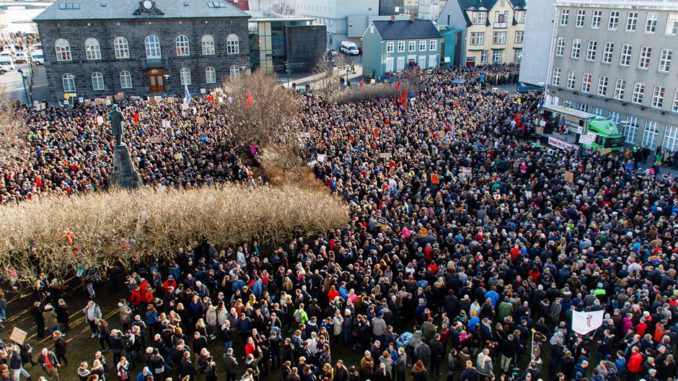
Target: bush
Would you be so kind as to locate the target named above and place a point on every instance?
(101, 229)
(369, 92)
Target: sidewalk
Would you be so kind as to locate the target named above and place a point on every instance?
(301, 79)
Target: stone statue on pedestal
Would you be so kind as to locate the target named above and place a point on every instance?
(124, 174)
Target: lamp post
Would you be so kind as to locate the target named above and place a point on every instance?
(166, 81)
(289, 71)
(23, 80)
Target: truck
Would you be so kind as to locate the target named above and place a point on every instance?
(38, 57)
(567, 128)
(350, 48)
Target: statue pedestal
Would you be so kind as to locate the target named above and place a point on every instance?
(124, 175)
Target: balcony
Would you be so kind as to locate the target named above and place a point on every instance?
(151, 63)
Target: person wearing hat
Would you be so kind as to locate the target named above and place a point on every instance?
(60, 347)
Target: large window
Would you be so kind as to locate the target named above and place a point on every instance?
(576, 48)
(671, 138)
(625, 57)
(595, 20)
(658, 97)
(152, 47)
(638, 93)
(519, 36)
(389, 47)
(586, 83)
(614, 20)
(674, 107)
(632, 21)
(185, 76)
(401, 46)
(477, 38)
(650, 134)
(92, 49)
(672, 24)
(411, 46)
(602, 85)
(651, 23)
(581, 18)
(210, 75)
(644, 58)
(564, 17)
(560, 46)
(608, 51)
(480, 18)
(121, 48)
(497, 55)
(232, 44)
(591, 50)
(422, 45)
(125, 79)
(207, 43)
(63, 50)
(555, 78)
(665, 60)
(483, 56)
(499, 38)
(571, 79)
(631, 129)
(98, 81)
(235, 71)
(183, 47)
(68, 80)
(433, 45)
(619, 89)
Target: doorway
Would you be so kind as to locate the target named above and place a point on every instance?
(156, 80)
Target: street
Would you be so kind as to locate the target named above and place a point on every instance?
(12, 87)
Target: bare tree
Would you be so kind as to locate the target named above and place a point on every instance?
(13, 133)
(283, 9)
(264, 113)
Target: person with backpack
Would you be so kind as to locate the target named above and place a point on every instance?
(300, 316)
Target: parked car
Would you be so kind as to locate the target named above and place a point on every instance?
(20, 57)
(38, 57)
(6, 63)
(350, 48)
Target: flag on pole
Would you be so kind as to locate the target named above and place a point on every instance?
(585, 322)
(187, 98)
(398, 86)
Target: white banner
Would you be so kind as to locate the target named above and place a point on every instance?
(585, 322)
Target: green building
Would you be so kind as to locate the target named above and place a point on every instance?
(451, 52)
(391, 46)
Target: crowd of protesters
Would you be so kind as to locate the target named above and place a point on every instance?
(466, 254)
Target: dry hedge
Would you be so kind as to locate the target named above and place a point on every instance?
(121, 227)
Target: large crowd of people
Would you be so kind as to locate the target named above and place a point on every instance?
(466, 254)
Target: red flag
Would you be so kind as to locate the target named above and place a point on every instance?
(403, 98)
(517, 119)
(249, 100)
(136, 117)
(395, 100)
(376, 133)
(398, 86)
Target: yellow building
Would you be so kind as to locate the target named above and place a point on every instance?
(494, 29)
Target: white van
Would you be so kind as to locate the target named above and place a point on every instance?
(38, 57)
(6, 63)
(350, 48)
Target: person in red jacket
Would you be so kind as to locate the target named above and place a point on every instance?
(635, 364)
(135, 298)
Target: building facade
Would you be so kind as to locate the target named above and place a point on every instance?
(95, 49)
(390, 46)
(537, 43)
(493, 30)
(614, 59)
(278, 44)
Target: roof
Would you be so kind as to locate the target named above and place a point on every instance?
(125, 9)
(406, 29)
(243, 5)
(488, 4)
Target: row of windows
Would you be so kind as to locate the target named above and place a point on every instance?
(498, 56)
(630, 128)
(98, 83)
(644, 57)
(619, 91)
(614, 18)
(498, 38)
(151, 44)
(412, 46)
(500, 17)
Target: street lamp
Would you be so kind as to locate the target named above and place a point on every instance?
(23, 80)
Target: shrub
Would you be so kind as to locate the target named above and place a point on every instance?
(370, 92)
(101, 229)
